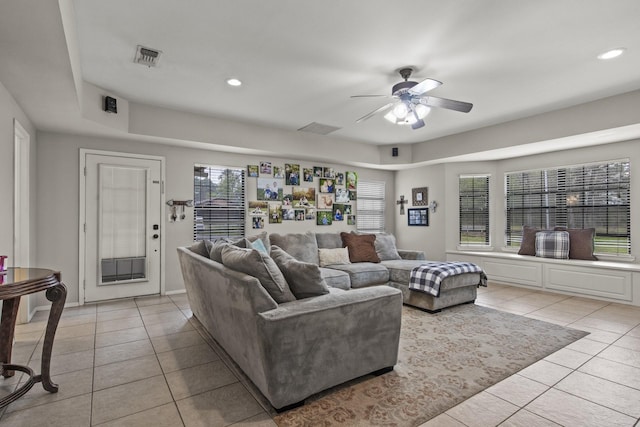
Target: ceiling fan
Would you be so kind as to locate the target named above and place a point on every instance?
(411, 105)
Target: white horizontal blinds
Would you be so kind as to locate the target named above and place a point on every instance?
(583, 196)
(474, 210)
(219, 199)
(123, 211)
(370, 206)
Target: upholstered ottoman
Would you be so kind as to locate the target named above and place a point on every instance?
(454, 290)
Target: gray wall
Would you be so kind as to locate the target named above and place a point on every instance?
(58, 196)
(442, 180)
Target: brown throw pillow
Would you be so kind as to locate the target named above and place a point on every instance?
(361, 247)
(580, 242)
(528, 244)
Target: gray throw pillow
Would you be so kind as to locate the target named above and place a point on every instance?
(304, 278)
(202, 248)
(260, 266)
(385, 245)
(302, 246)
(216, 249)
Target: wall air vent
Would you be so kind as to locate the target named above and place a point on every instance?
(147, 56)
(318, 128)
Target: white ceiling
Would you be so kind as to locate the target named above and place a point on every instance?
(301, 60)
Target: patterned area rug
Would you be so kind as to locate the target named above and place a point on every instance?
(444, 358)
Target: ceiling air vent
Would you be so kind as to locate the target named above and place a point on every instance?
(147, 56)
(318, 128)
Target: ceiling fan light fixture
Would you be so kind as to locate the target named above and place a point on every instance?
(401, 110)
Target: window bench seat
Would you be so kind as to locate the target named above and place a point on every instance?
(606, 280)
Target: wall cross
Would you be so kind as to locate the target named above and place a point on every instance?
(401, 202)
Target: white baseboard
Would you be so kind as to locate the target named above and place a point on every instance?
(179, 291)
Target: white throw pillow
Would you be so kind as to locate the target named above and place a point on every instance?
(333, 256)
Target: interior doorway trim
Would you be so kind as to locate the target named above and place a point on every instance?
(21, 209)
(82, 214)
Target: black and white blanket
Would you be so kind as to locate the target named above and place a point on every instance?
(428, 277)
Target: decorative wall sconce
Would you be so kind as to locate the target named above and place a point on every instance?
(433, 205)
(174, 204)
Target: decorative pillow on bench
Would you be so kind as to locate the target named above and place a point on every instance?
(552, 244)
(581, 242)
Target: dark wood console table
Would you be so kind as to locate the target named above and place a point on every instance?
(14, 283)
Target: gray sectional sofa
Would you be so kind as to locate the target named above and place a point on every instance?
(295, 327)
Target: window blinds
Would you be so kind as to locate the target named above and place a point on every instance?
(474, 210)
(370, 206)
(219, 200)
(583, 196)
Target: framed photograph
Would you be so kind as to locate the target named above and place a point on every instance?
(351, 220)
(265, 168)
(419, 216)
(269, 189)
(317, 171)
(308, 174)
(288, 213)
(300, 214)
(275, 213)
(329, 173)
(258, 208)
(327, 185)
(338, 212)
(257, 222)
(420, 196)
(278, 172)
(352, 180)
(325, 201)
(339, 178)
(303, 197)
(292, 174)
(252, 171)
(342, 195)
(324, 218)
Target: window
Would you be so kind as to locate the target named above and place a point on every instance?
(474, 210)
(583, 196)
(370, 206)
(218, 194)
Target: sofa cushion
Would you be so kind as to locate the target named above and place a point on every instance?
(336, 278)
(385, 245)
(361, 247)
(333, 256)
(201, 248)
(304, 278)
(328, 240)
(302, 246)
(400, 269)
(581, 242)
(552, 244)
(260, 266)
(364, 273)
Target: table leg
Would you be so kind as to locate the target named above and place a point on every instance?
(7, 327)
(57, 295)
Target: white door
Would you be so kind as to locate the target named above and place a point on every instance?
(123, 226)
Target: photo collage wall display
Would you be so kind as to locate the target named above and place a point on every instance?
(294, 193)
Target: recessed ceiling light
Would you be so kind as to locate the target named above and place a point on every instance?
(613, 53)
(234, 82)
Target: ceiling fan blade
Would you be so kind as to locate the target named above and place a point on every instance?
(418, 124)
(433, 101)
(369, 96)
(367, 116)
(424, 86)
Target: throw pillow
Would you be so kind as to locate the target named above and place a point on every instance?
(361, 247)
(552, 244)
(333, 256)
(385, 245)
(302, 246)
(259, 246)
(304, 278)
(328, 240)
(202, 248)
(260, 266)
(581, 242)
(215, 253)
(264, 236)
(528, 244)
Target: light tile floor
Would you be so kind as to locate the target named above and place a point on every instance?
(144, 361)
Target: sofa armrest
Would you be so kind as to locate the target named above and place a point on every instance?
(409, 254)
(354, 332)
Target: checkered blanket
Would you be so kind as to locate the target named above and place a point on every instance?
(427, 277)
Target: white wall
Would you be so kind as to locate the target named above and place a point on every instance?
(10, 110)
(58, 188)
(442, 180)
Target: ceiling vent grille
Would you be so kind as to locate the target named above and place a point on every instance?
(318, 128)
(147, 56)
